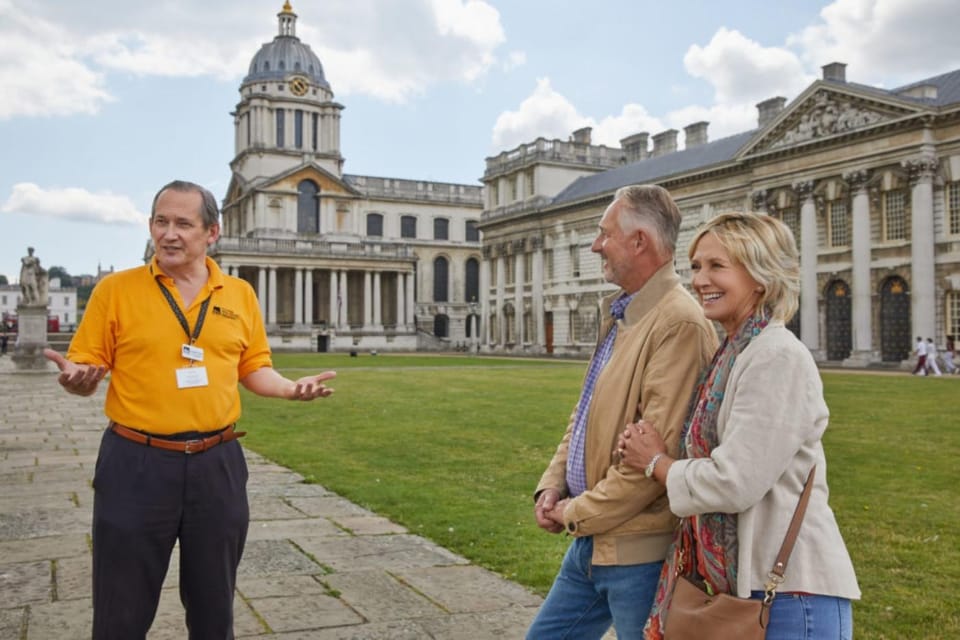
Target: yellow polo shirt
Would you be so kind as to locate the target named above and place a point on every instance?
(129, 327)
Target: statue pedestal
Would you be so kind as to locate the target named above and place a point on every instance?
(31, 338)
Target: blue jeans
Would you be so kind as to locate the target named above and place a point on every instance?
(797, 617)
(585, 598)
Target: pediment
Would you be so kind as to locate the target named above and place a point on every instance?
(823, 113)
(289, 181)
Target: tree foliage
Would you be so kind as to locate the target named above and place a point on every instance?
(66, 280)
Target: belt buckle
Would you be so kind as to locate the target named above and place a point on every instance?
(193, 446)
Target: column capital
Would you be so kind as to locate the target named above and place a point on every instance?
(858, 179)
(804, 189)
(536, 242)
(921, 168)
(759, 200)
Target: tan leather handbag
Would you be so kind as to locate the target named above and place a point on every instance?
(696, 615)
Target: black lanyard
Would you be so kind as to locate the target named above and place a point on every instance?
(182, 319)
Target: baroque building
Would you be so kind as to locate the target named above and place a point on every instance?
(868, 179)
(340, 262)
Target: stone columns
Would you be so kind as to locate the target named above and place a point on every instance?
(308, 298)
(272, 296)
(367, 300)
(501, 298)
(297, 296)
(262, 291)
(540, 339)
(485, 296)
(334, 318)
(400, 310)
(518, 270)
(377, 310)
(342, 301)
(411, 303)
(809, 316)
(923, 289)
(862, 309)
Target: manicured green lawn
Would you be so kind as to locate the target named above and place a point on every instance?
(452, 447)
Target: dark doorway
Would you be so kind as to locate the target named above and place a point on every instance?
(839, 338)
(895, 342)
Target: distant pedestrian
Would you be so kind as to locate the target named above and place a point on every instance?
(932, 357)
(4, 339)
(921, 349)
(948, 363)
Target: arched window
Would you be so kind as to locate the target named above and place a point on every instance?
(281, 117)
(375, 224)
(440, 269)
(472, 288)
(308, 207)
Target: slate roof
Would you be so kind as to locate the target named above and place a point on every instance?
(655, 169)
(702, 157)
(948, 89)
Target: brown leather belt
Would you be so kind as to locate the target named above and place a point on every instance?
(188, 447)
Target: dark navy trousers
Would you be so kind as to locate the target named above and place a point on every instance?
(146, 499)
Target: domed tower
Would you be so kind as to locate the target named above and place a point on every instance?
(286, 115)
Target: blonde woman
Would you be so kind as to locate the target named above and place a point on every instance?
(752, 434)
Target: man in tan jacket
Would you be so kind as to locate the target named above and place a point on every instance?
(653, 342)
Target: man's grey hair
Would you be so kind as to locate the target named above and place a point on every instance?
(651, 207)
(209, 211)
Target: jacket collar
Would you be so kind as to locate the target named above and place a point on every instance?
(661, 282)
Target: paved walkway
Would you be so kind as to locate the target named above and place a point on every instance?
(316, 566)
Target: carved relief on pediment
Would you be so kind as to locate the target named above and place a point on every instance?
(825, 114)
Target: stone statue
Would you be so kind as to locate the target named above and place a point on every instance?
(33, 281)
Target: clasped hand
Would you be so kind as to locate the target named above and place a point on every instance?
(638, 443)
(549, 510)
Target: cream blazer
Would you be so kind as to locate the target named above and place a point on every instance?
(770, 426)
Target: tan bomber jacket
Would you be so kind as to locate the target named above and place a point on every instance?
(662, 344)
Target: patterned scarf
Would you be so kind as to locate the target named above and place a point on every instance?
(705, 546)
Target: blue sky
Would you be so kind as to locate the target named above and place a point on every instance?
(106, 100)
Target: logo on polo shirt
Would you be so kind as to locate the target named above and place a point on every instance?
(226, 313)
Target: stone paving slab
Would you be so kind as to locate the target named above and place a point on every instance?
(316, 566)
(379, 596)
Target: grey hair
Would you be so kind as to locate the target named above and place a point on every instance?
(209, 211)
(651, 207)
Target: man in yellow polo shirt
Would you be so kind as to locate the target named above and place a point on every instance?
(176, 335)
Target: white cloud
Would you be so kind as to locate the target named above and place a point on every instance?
(158, 55)
(39, 71)
(72, 204)
(741, 70)
(633, 118)
(55, 56)
(544, 113)
(903, 40)
(396, 50)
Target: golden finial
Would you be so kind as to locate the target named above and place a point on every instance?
(286, 7)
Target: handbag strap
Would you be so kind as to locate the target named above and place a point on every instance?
(780, 565)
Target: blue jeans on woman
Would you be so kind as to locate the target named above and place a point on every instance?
(586, 598)
(809, 617)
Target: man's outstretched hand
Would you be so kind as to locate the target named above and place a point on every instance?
(79, 379)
